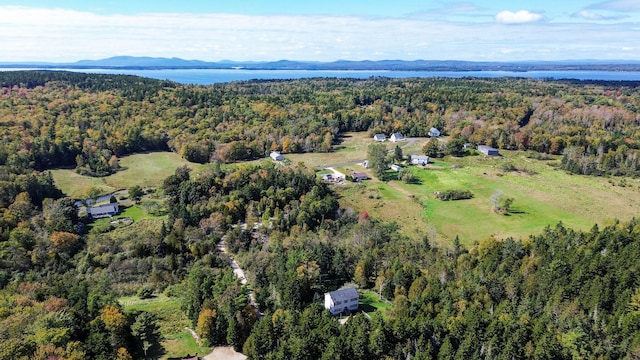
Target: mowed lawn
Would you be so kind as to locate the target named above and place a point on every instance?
(146, 170)
(371, 303)
(543, 196)
(351, 148)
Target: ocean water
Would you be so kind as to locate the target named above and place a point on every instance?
(213, 76)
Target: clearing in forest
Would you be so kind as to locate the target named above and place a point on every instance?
(543, 195)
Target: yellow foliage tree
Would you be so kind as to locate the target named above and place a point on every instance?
(123, 354)
(206, 324)
(113, 318)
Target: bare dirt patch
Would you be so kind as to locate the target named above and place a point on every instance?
(224, 353)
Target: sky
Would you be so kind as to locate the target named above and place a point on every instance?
(327, 30)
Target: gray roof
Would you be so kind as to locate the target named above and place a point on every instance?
(344, 294)
(102, 210)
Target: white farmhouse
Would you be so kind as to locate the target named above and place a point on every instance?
(341, 301)
(395, 137)
(276, 156)
(434, 132)
(379, 137)
(419, 159)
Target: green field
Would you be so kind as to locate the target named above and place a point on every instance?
(146, 170)
(543, 195)
(173, 323)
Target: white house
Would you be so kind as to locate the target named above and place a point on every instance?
(379, 137)
(101, 211)
(395, 167)
(488, 150)
(341, 301)
(275, 155)
(419, 159)
(395, 137)
(434, 132)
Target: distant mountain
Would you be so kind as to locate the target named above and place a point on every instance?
(127, 61)
(132, 62)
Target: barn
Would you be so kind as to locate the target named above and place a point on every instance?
(488, 150)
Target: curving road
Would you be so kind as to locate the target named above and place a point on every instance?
(237, 270)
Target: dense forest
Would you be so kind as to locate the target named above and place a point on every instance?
(88, 121)
(561, 294)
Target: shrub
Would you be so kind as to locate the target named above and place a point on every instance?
(454, 195)
(145, 292)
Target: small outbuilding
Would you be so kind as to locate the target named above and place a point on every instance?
(395, 137)
(395, 167)
(433, 132)
(276, 156)
(488, 150)
(101, 211)
(419, 159)
(380, 137)
(358, 176)
(341, 301)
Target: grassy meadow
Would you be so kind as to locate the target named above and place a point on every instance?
(543, 195)
(146, 170)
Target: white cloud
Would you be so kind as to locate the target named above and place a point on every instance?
(592, 16)
(519, 17)
(618, 5)
(461, 6)
(588, 15)
(30, 34)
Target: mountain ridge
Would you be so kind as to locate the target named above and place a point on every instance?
(145, 62)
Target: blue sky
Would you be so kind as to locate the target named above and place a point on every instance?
(260, 30)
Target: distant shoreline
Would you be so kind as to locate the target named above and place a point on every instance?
(215, 76)
(149, 63)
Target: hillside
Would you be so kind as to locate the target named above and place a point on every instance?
(76, 287)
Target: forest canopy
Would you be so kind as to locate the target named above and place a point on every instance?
(559, 294)
(89, 120)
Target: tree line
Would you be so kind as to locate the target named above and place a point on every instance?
(89, 120)
(559, 294)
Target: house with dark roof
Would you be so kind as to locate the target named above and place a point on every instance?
(101, 211)
(188, 357)
(341, 301)
(358, 176)
(488, 150)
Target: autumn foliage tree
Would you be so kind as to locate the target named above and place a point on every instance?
(206, 325)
